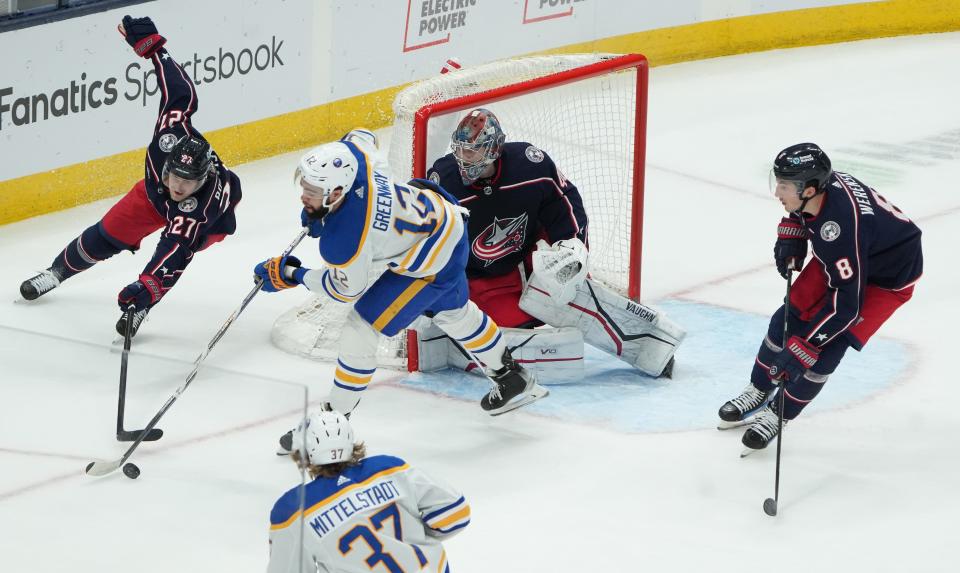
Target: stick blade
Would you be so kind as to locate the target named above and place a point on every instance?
(132, 435)
(98, 469)
(770, 506)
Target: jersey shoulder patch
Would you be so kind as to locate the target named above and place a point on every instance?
(528, 155)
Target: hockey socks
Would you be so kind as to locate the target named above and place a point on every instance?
(91, 247)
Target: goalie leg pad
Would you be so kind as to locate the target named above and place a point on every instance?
(554, 354)
(637, 334)
(356, 363)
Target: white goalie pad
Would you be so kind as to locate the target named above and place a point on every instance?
(554, 354)
(560, 268)
(637, 334)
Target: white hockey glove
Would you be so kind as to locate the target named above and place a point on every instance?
(560, 268)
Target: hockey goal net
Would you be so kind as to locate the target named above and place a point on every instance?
(587, 111)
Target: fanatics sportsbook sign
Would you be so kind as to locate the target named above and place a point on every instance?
(87, 95)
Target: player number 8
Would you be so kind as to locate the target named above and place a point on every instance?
(844, 268)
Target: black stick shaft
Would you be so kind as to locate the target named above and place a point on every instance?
(124, 358)
(202, 356)
(783, 389)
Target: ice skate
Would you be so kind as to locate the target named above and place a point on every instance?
(740, 410)
(514, 387)
(762, 431)
(137, 319)
(40, 284)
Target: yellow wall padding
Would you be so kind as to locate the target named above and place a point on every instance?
(108, 176)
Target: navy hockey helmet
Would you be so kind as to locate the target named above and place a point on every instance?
(476, 143)
(804, 164)
(190, 158)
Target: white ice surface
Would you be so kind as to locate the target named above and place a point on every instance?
(869, 486)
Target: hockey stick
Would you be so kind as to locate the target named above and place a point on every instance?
(129, 435)
(102, 468)
(770, 504)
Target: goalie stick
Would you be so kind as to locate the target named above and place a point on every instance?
(102, 468)
(129, 435)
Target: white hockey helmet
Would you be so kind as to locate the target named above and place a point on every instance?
(324, 438)
(325, 169)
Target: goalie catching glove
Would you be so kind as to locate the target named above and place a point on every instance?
(560, 268)
(279, 273)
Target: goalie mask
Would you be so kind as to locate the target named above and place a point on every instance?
(324, 438)
(326, 172)
(476, 143)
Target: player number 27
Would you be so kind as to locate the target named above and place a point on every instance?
(369, 536)
(177, 226)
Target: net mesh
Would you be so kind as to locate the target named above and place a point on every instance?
(587, 127)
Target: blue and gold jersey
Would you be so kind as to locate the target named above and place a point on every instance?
(381, 514)
(382, 225)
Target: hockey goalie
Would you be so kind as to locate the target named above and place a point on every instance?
(528, 266)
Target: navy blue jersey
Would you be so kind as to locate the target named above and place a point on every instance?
(859, 239)
(526, 199)
(209, 211)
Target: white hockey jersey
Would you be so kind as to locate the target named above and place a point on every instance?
(380, 515)
(383, 225)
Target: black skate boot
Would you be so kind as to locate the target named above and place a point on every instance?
(41, 284)
(736, 412)
(137, 319)
(514, 387)
(763, 430)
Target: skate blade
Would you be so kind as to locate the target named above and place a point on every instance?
(724, 425)
(535, 394)
(748, 451)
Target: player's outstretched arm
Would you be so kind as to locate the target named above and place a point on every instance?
(444, 510)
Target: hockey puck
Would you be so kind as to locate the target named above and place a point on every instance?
(131, 471)
(90, 465)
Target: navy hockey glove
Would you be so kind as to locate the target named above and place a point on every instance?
(791, 246)
(275, 271)
(794, 360)
(313, 225)
(141, 294)
(141, 34)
